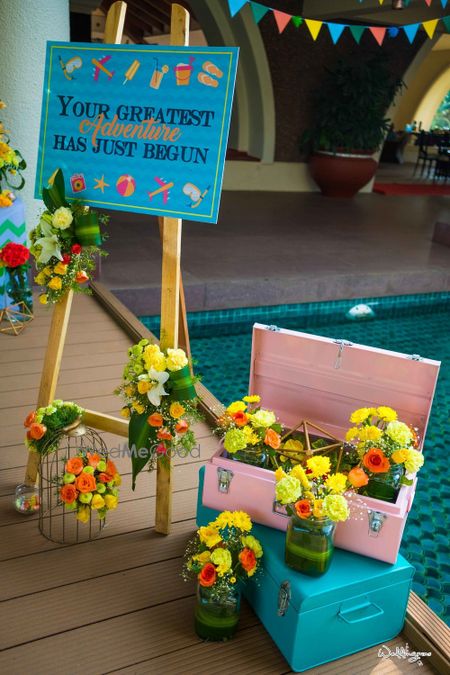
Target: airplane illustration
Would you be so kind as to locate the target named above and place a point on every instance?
(164, 189)
(100, 66)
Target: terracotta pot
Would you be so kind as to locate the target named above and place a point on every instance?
(341, 174)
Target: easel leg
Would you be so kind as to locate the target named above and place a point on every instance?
(50, 371)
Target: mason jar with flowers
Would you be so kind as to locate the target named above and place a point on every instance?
(251, 434)
(388, 452)
(222, 556)
(314, 500)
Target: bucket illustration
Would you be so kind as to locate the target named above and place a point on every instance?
(183, 72)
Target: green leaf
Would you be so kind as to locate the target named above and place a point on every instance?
(141, 438)
(406, 481)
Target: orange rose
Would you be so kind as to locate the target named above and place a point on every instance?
(93, 459)
(181, 427)
(68, 493)
(81, 277)
(357, 477)
(111, 467)
(29, 419)
(86, 482)
(303, 508)
(240, 418)
(207, 575)
(272, 439)
(247, 558)
(376, 461)
(104, 477)
(164, 435)
(155, 420)
(74, 465)
(37, 431)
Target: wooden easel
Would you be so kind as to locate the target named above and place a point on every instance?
(172, 302)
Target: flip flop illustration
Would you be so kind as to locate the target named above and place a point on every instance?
(209, 74)
(212, 69)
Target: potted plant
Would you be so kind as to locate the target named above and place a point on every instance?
(350, 124)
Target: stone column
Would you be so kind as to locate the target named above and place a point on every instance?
(26, 25)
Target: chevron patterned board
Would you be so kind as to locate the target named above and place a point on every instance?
(12, 228)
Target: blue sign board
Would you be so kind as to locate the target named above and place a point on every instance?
(136, 127)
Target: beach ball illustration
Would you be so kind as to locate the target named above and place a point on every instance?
(125, 185)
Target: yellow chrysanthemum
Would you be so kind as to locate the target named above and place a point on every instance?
(209, 535)
(337, 483)
(319, 465)
(360, 415)
(399, 432)
(176, 359)
(250, 436)
(293, 444)
(351, 434)
(414, 461)
(279, 474)
(253, 544)
(399, 456)
(370, 433)
(154, 358)
(242, 521)
(221, 557)
(299, 472)
(236, 406)
(254, 398)
(224, 519)
(386, 414)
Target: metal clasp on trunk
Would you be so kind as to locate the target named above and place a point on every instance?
(342, 344)
(415, 357)
(224, 477)
(280, 509)
(376, 522)
(284, 597)
(273, 328)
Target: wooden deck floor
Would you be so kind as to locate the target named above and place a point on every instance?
(117, 604)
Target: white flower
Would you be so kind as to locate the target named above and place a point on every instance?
(62, 218)
(157, 391)
(49, 243)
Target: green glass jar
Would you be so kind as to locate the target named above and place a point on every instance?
(216, 619)
(386, 486)
(18, 287)
(309, 545)
(252, 457)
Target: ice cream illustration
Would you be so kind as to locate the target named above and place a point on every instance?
(183, 72)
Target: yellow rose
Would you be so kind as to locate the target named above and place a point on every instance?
(154, 358)
(176, 359)
(40, 279)
(129, 390)
(203, 557)
(176, 410)
(83, 514)
(97, 502)
(111, 501)
(293, 444)
(60, 268)
(117, 479)
(399, 456)
(43, 299)
(125, 412)
(62, 218)
(139, 408)
(55, 284)
(209, 535)
(143, 386)
(236, 406)
(47, 271)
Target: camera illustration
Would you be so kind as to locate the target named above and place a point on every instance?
(78, 182)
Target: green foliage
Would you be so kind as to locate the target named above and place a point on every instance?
(441, 120)
(351, 105)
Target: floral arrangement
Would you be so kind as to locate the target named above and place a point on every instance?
(15, 258)
(11, 166)
(382, 441)
(160, 400)
(313, 492)
(223, 553)
(64, 243)
(90, 483)
(44, 424)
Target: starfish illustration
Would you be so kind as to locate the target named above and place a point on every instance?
(101, 184)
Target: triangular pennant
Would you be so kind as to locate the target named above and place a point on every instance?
(236, 6)
(282, 19)
(446, 22)
(381, 1)
(411, 31)
(357, 32)
(430, 27)
(444, 3)
(428, 2)
(314, 27)
(297, 21)
(378, 33)
(393, 31)
(258, 11)
(336, 30)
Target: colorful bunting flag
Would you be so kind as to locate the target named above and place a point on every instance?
(411, 31)
(378, 33)
(236, 6)
(381, 1)
(444, 3)
(446, 22)
(357, 32)
(393, 32)
(258, 11)
(297, 21)
(430, 27)
(314, 27)
(282, 19)
(428, 2)
(336, 30)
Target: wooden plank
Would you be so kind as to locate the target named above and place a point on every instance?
(97, 420)
(115, 20)
(170, 295)
(115, 342)
(80, 375)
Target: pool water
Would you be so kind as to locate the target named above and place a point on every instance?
(419, 324)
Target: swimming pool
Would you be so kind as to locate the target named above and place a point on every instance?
(416, 324)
